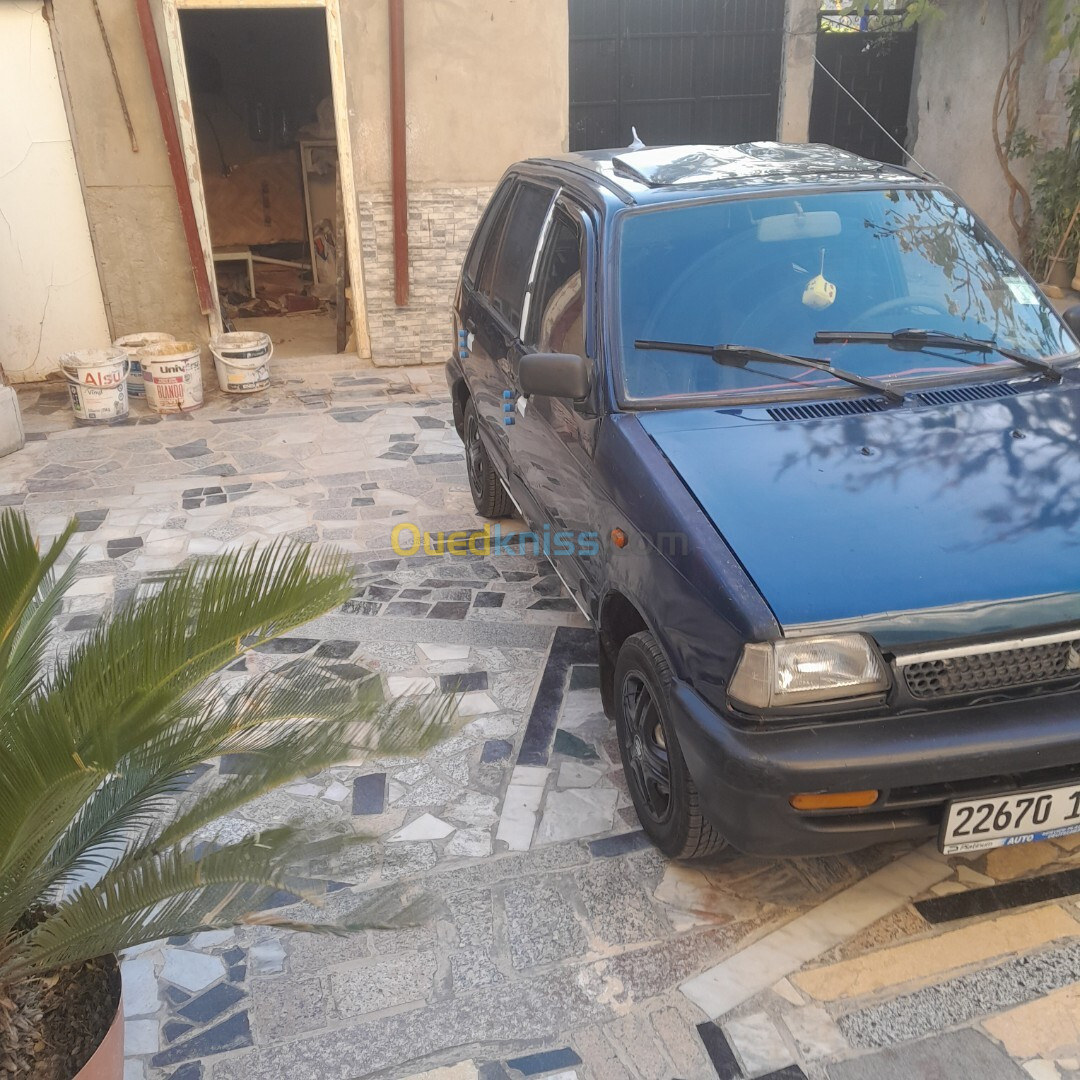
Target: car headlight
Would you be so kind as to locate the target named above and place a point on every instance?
(794, 671)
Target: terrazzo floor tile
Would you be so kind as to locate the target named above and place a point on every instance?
(1048, 1027)
(191, 970)
(553, 923)
(785, 950)
(576, 812)
(758, 1044)
(932, 957)
(961, 999)
(957, 1054)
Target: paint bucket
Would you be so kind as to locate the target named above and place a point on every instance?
(96, 380)
(242, 360)
(172, 373)
(131, 344)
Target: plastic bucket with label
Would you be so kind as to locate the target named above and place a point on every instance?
(172, 373)
(131, 344)
(242, 360)
(96, 380)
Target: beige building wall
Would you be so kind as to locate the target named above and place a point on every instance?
(130, 200)
(958, 62)
(486, 84)
(50, 297)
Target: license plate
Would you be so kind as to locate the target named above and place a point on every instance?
(1019, 818)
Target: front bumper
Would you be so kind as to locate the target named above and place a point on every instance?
(918, 761)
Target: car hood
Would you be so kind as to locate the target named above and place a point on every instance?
(913, 523)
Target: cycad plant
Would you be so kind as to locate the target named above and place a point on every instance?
(98, 747)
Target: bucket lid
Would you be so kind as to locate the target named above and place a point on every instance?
(169, 350)
(91, 358)
(138, 341)
(241, 344)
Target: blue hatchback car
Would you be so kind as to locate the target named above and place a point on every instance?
(809, 441)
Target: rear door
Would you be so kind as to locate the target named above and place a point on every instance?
(551, 439)
(493, 320)
(474, 315)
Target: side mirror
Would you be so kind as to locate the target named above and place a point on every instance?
(562, 375)
(1072, 319)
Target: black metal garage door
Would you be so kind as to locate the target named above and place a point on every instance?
(875, 68)
(677, 70)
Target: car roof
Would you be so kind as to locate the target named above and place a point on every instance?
(667, 173)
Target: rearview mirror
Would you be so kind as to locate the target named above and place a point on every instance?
(1071, 316)
(562, 375)
(801, 226)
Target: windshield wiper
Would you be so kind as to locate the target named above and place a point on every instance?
(939, 339)
(723, 354)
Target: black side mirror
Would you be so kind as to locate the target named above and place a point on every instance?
(1072, 319)
(562, 375)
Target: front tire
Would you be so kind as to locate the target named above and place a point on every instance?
(667, 802)
(488, 494)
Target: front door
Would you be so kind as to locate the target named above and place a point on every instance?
(552, 440)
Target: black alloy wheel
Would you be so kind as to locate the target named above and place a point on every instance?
(666, 800)
(489, 495)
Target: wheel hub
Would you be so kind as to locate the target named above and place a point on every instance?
(646, 749)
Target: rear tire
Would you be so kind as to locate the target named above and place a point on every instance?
(489, 495)
(665, 797)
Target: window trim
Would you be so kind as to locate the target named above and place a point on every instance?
(517, 181)
(479, 246)
(530, 283)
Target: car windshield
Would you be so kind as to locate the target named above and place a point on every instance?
(770, 273)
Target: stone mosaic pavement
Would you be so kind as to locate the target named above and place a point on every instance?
(563, 945)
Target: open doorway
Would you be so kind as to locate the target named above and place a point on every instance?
(263, 111)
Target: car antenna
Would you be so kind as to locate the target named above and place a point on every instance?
(927, 174)
(635, 143)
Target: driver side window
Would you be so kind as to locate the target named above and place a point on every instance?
(558, 308)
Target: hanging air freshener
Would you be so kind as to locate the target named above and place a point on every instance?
(819, 293)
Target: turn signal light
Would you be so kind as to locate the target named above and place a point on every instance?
(619, 538)
(835, 800)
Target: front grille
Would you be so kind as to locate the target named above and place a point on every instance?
(981, 672)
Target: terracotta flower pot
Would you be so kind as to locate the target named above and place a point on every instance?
(107, 1061)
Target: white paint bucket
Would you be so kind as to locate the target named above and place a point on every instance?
(172, 373)
(131, 344)
(242, 360)
(97, 384)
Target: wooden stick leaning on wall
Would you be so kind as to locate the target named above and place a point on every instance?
(341, 310)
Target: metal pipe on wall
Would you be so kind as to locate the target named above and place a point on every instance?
(399, 179)
(176, 157)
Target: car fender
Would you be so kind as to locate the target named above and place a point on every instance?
(695, 596)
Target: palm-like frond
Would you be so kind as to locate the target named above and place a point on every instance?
(96, 815)
(29, 598)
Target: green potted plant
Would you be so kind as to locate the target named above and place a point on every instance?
(97, 751)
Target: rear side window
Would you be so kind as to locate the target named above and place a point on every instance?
(516, 252)
(486, 239)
